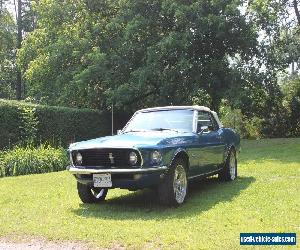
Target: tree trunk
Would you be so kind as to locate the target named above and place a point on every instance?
(215, 101)
(296, 11)
(19, 41)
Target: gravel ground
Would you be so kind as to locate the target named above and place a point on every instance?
(10, 243)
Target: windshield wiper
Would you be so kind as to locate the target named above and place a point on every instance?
(162, 129)
(132, 130)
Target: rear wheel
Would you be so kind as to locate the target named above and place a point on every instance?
(173, 190)
(89, 194)
(229, 172)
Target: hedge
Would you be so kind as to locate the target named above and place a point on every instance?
(54, 125)
(30, 160)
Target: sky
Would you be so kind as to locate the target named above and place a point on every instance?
(11, 7)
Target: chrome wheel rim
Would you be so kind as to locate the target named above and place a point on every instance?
(97, 193)
(232, 166)
(180, 184)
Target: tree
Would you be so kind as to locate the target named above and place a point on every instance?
(19, 41)
(291, 90)
(295, 5)
(25, 23)
(279, 25)
(134, 53)
(7, 53)
(12, 32)
(279, 49)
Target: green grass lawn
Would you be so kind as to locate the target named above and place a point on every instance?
(264, 198)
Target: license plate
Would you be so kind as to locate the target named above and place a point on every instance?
(102, 180)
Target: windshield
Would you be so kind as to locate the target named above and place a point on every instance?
(176, 120)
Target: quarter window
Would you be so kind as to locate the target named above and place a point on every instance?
(203, 120)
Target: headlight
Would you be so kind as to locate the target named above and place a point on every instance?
(133, 158)
(156, 157)
(78, 159)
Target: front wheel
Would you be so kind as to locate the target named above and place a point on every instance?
(89, 194)
(229, 172)
(173, 190)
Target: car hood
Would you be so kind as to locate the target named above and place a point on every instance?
(135, 139)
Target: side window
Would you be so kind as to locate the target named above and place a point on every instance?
(206, 119)
(203, 120)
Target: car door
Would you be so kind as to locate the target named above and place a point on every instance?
(211, 144)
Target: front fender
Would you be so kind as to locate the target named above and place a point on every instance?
(180, 152)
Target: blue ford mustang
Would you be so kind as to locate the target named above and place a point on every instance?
(160, 148)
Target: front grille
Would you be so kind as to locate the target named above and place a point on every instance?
(103, 157)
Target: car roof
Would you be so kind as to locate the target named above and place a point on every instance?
(194, 107)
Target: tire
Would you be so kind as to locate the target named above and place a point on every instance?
(229, 172)
(89, 194)
(174, 188)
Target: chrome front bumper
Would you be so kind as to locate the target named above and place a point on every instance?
(80, 170)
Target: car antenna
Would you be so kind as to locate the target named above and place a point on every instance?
(112, 119)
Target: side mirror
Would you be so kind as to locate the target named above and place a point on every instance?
(203, 129)
(119, 131)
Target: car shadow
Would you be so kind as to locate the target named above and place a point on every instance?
(144, 204)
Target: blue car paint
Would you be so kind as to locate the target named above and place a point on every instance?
(205, 153)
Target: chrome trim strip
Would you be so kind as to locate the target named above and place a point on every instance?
(195, 121)
(76, 170)
(195, 176)
(142, 160)
(71, 158)
(126, 125)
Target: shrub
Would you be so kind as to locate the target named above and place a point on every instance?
(253, 127)
(26, 122)
(30, 160)
(29, 125)
(2, 171)
(249, 128)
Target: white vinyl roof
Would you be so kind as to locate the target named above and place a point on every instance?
(195, 107)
